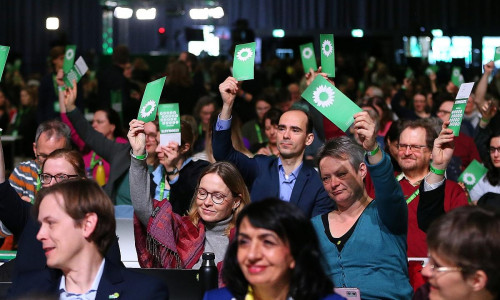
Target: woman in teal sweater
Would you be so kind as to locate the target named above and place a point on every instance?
(363, 241)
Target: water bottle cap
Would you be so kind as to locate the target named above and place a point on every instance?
(208, 256)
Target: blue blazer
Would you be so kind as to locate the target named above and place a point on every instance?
(115, 279)
(261, 176)
(225, 294)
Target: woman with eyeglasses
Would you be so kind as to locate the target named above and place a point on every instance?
(179, 242)
(16, 214)
(463, 256)
(490, 183)
(61, 165)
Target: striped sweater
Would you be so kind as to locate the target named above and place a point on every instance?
(23, 179)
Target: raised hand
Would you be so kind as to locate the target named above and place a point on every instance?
(365, 127)
(70, 97)
(444, 145)
(228, 91)
(137, 137)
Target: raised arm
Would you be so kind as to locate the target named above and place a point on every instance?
(482, 85)
(391, 206)
(442, 152)
(140, 181)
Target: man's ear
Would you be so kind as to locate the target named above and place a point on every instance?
(309, 139)
(89, 224)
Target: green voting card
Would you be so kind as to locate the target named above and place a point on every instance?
(327, 54)
(244, 59)
(431, 69)
(456, 76)
(170, 123)
(472, 174)
(409, 73)
(150, 99)
(4, 52)
(69, 58)
(458, 110)
(308, 57)
(76, 72)
(497, 54)
(334, 105)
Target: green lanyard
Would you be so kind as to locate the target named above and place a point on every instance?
(94, 161)
(412, 196)
(162, 186)
(259, 133)
(200, 129)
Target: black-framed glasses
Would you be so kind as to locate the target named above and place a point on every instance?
(494, 149)
(413, 148)
(41, 157)
(47, 178)
(217, 197)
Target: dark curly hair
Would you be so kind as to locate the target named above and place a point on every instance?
(493, 174)
(308, 280)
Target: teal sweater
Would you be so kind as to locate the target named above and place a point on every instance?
(374, 258)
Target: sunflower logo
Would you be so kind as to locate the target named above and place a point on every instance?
(148, 109)
(244, 54)
(469, 178)
(498, 50)
(70, 54)
(327, 48)
(307, 53)
(456, 72)
(323, 96)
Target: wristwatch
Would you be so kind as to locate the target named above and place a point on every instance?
(173, 172)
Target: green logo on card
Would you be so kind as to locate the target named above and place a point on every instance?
(323, 96)
(244, 54)
(327, 48)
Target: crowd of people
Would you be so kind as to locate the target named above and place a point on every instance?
(290, 205)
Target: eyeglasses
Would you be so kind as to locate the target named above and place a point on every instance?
(217, 197)
(494, 149)
(41, 157)
(47, 178)
(413, 148)
(443, 112)
(435, 268)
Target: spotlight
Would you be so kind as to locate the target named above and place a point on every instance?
(146, 14)
(52, 23)
(123, 12)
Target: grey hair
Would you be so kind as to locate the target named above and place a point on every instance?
(342, 148)
(54, 128)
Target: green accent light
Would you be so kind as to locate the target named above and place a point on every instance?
(357, 33)
(278, 33)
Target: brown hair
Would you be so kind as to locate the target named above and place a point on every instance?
(81, 197)
(430, 132)
(234, 181)
(469, 237)
(72, 156)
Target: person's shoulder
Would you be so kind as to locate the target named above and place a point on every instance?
(148, 285)
(35, 282)
(222, 294)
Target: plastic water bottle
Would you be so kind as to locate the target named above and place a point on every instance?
(208, 273)
(100, 175)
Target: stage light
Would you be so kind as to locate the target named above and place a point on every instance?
(123, 12)
(52, 23)
(206, 13)
(217, 12)
(146, 14)
(357, 33)
(278, 33)
(437, 32)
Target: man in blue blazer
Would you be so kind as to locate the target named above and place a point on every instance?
(77, 227)
(286, 176)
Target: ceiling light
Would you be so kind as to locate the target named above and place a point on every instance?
(52, 23)
(123, 12)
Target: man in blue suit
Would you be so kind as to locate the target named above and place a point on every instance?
(77, 227)
(286, 176)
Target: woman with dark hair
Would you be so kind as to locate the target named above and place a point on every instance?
(174, 241)
(275, 256)
(491, 181)
(253, 130)
(463, 256)
(106, 122)
(203, 110)
(271, 121)
(24, 121)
